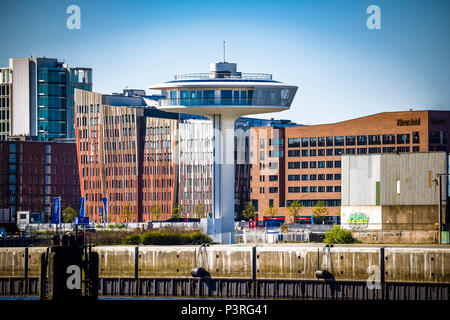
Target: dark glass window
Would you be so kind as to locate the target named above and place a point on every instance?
(321, 142)
(350, 151)
(329, 188)
(304, 153)
(294, 153)
(312, 177)
(305, 177)
(312, 189)
(403, 138)
(337, 189)
(337, 164)
(338, 141)
(329, 176)
(294, 165)
(362, 140)
(321, 177)
(305, 142)
(294, 142)
(362, 150)
(294, 177)
(350, 140)
(304, 189)
(321, 152)
(312, 152)
(293, 189)
(321, 164)
(388, 138)
(273, 178)
(339, 151)
(329, 141)
(337, 176)
(313, 142)
(416, 137)
(416, 149)
(329, 164)
(312, 164)
(375, 150)
(388, 149)
(304, 164)
(375, 139)
(321, 189)
(329, 152)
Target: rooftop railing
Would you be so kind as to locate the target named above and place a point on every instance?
(224, 102)
(221, 76)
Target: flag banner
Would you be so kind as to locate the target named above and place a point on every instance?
(82, 207)
(56, 210)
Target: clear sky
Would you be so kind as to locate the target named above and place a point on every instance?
(343, 69)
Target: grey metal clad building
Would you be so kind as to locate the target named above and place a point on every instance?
(394, 191)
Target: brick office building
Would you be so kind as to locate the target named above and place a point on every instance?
(304, 163)
(127, 155)
(32, 173)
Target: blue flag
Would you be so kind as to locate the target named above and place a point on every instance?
(105, 204)
(82, 207)
(56, 210)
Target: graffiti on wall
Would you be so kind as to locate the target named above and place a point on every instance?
(358, 221)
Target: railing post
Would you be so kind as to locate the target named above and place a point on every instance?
(382, 274)
(254, 281)
(136, 271)
(26, 271)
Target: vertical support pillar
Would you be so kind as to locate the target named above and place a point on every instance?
(27, 286)
(382, 274)
(136, 272)
(254, 281)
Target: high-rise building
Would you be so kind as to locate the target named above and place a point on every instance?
(42, 97)
(126, 154)
(5, 102)
(303, 163)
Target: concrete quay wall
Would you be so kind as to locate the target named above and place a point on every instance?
(279, 261)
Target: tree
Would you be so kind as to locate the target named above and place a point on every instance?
(127, 212)
(294, 209)
(249, 211)
(69, 214)
(320, 212)
(271, 212)
(156, 212)
(177, 212)
(200, 211)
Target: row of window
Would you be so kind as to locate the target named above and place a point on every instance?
(314, 164)
(306, 177)
(403, 138)
(314, 189)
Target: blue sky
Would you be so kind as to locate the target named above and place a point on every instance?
(343, 69)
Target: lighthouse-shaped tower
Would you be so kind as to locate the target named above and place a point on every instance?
(224, 95)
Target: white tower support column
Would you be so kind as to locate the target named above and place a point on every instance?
(223, 178)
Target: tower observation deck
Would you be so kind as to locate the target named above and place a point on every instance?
(224, 95)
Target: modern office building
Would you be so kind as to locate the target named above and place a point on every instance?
(126, 153)
(304, 163)
(41, 103)
(32, 173)
(395, 191)
(5, 102)
(224, 95)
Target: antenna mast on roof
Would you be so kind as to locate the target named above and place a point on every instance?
(224, 51)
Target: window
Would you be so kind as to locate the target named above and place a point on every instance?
(339, 151)
(416, 137)
(321, 152)
(293, 177)
(338, 141)
(337, 176)
(362, 140)
(374, 150)
(403, 138)
(305, 189)
(261, 155)
(305, 177)
(329, 176)
(329, 164)
(321, 164)
(329, 152)
(275, 153)
(321, 189)
(294, 153)
(312, 164)
(304, 164)
(312, 142)
(293, 189)
(321, 142)
(273, 165)
(337, 164)
(48, 149)
(294, 142)
(321, 177)
(312, 189)
(294, 165)
(270, 202)
(276, 142)
(350, 151)
(273, 178)
(337, 189)
(273, 189)
(362, 150)
(416, 149)
(329, 188)
(12, 147)
(304, 153)
(388, 149)
(329, 141)
(388, 138)
(261, 143)
(350, 140)
(312, 177)
(304, 142)
(312, 152)
(403, 149)
(374, 139)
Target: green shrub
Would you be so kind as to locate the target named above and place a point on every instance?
(338, 235)
(132, 239)
(171, 238)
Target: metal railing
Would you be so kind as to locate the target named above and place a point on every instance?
(212, 75)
